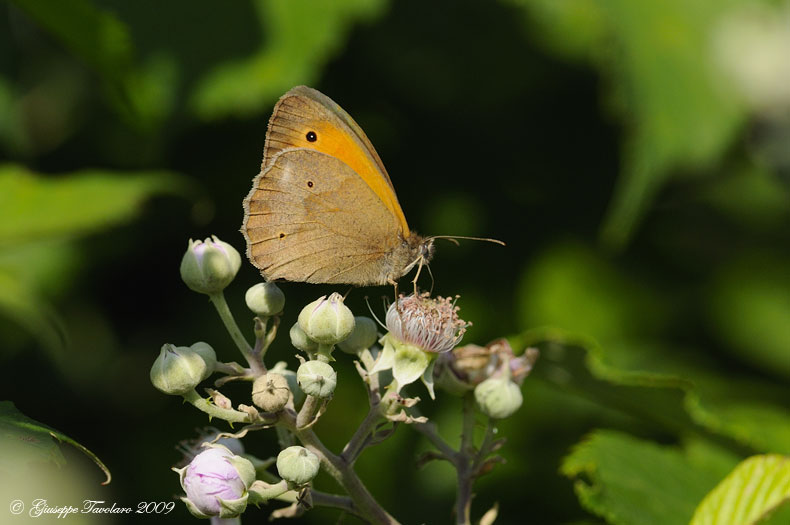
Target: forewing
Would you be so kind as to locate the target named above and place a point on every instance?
(304, 110)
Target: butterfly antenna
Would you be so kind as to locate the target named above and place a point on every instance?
(454, 238)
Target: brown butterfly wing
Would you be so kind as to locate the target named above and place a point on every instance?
(311, 218)
(304, 112)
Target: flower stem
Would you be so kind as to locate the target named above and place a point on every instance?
(429, 431)
(231, 416)
(357, 442)
(463, 464)
(343, 472)
(310, 408)
(218, 300)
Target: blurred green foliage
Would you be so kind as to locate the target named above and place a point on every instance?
(631, 154)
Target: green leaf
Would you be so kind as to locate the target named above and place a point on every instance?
(300, 37)
(95, 35)
(40, 216)
(144, 95)
(629, 481)
(572, 287)
(24, 441)
(33, 207)
(680, 109)
(756, 487)
(609, 349)
(749, 308)
(653, 383)
(25, 308)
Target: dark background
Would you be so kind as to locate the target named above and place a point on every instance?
(639, 199)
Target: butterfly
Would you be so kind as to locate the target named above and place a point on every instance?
(323, 208)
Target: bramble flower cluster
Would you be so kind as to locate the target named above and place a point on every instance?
(419, 329)
(421, 340)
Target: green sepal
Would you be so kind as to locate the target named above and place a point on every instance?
(193, 509)
(261, 492)
(230, 508)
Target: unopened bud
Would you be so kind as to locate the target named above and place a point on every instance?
(265, 299)
(177, 370)
(498, 397)
(208, 354)
(209, 266)
(216, 483)
(364, 335)
(270, 392)
(282, 368)
(297, 465)
(300, 341)
(316, 378)
(327, 320)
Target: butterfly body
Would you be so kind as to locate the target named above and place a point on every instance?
(323, 208)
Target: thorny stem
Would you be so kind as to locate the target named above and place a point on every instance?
(360, 440)
(466, 460)
(357, 442)
(429, 431)
(231, 416)
(485, 447)
(463, 463)
(324, 499)
(343, 472)
(218, 300)
(307, 414)
(264, 335)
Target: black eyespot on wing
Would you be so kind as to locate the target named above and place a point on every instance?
(282, 235)
(309, 184)
(311, 136)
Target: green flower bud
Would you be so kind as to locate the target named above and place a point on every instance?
(327, 320)
(316, 378)
(177, 370)
(270, 392)
(298, 396)
(498, 397)
(208, 354)
(363, 337)
(265, 299)
(209, 266)
(300, 341)
(297, 465)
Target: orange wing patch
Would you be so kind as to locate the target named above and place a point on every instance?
(297, 123)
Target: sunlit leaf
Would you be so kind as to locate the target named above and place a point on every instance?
(607, 345)
(34, 207)
(634, 482)
(299, 38)
(24, 440)
(756, 487)
(651, 382)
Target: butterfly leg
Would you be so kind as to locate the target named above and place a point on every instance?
(395, 286)
(421, 260)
